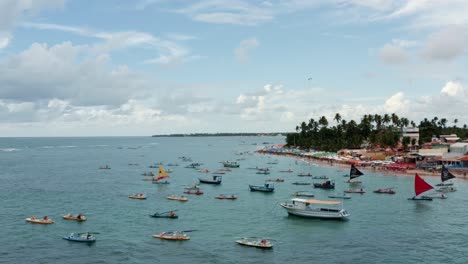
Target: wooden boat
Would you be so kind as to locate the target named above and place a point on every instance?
(386, 190)
(304, 175)
(258, 243)
(311, 208)
(267, 187)
(197, 192)
(301, 183)
(304, 193)
(137, 196)
(231, 164)
(361, 191)
(286, 171)
(340, 196)
(325, 185)
(79, 217)
(86, 237)
(169, 214)
(177, 198)
(353, 181)
(173, 235)
(44, 221)
(263, 172)
(420, 186)
(226, 197)
(214, 180)
(105, 167)
(275, 180)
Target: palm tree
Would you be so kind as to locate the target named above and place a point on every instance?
(395, 120)
(337, 118)
(386, 119)
(323, 121)
(443, 122)
(455, 121)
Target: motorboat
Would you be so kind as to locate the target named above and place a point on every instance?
(226, 197)
(197, 192)
(173, 235)
(267, 187)
(86, 237)
(359, 190)
(231, 164)
(339, 196)
(325, 185)
(169, 214)
(304, 175)
(312, 208)
(137, 196)
(255, 242)
(214, 180)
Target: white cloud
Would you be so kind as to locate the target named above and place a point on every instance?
(13, 10)
(396, 103)
(392, 54)
(452, 88)
(5, 39)
(246, 46)
(447, 44)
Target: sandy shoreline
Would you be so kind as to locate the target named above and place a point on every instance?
(376, 169)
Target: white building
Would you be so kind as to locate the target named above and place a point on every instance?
(459, 149)
(411, 132)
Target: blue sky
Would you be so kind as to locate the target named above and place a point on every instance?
(84, 68)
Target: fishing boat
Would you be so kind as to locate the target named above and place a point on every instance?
(304, 194)
(445, 175)
(86, 237)
(137, 196)
(106, 167)
(357, 190)
(196, 192)
(267, 187)
(45, 220)
(255, 242)
(302, 183)
(214, 180)
(386, 190)
(312, 208)
(420, 186)
(325, 185)
(226, 197)
(286, 171)
(169, 214)
(354, 173)
(304, 175)
(173, 235)
(263, 172)
(79, 217)
(340, 196)
(323, 177)
(275, 180)
(177, 198)
(231, 164)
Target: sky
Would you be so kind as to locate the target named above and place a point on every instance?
(144, 67)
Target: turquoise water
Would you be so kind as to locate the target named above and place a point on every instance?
(56, 176)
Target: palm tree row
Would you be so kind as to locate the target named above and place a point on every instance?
(377, 130)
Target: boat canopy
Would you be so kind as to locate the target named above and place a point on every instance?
(314, 201)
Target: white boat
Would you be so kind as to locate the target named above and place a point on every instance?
(252, 242)
(312, 208)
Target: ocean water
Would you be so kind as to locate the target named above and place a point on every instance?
(56, 176)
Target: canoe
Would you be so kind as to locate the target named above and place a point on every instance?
(172, 236)
(70, 217)
(39, 221)
(265, 244)
(164, 216)
(139, 197)
(80, 239)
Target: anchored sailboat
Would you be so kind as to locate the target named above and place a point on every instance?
(354, 173)
(421, 186)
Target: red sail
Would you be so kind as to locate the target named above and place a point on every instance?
(420, 185)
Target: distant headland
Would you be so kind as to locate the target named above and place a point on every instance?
(224, 135)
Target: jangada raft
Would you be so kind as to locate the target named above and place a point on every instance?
(420, 186)
(255, 242)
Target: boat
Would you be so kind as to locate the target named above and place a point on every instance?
(255, 242)
(446, 189)
(272, 162)
(193, 187)
(45, 220)
(325, 185)
(386, 190)
(275, 180)
(177, 198)
(304, 193)
(340, 196)
(320, 177)
(263, 172)
(173, 235)
(169, 214)
(214, 180)
(193, 165)
(197, 192)
(420, 186)
(106, 167)
(301, 183)
(267, 187)
(86, 237)
(137, 196)
(304, 175)
(172, 164)
(354, 173)
(226, 197)
(436, 196)
(231, 164)
(312, 208)
(148, 173)
(203, 170)
(287, 171)
(162, 174)
(79, 217)
(358, 190)
(445, 175)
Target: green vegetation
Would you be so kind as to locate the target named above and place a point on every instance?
(376, 130)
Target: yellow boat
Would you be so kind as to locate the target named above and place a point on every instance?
(137, 196)
(177, 198)
(39, 221)
(79, 218)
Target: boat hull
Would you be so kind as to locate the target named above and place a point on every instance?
(165, 216)
(253, 244)
(261, 189)
(79, 239)
(209, 181)
(69, 217)
(40, 221)
(174, 238)
(321, 213)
